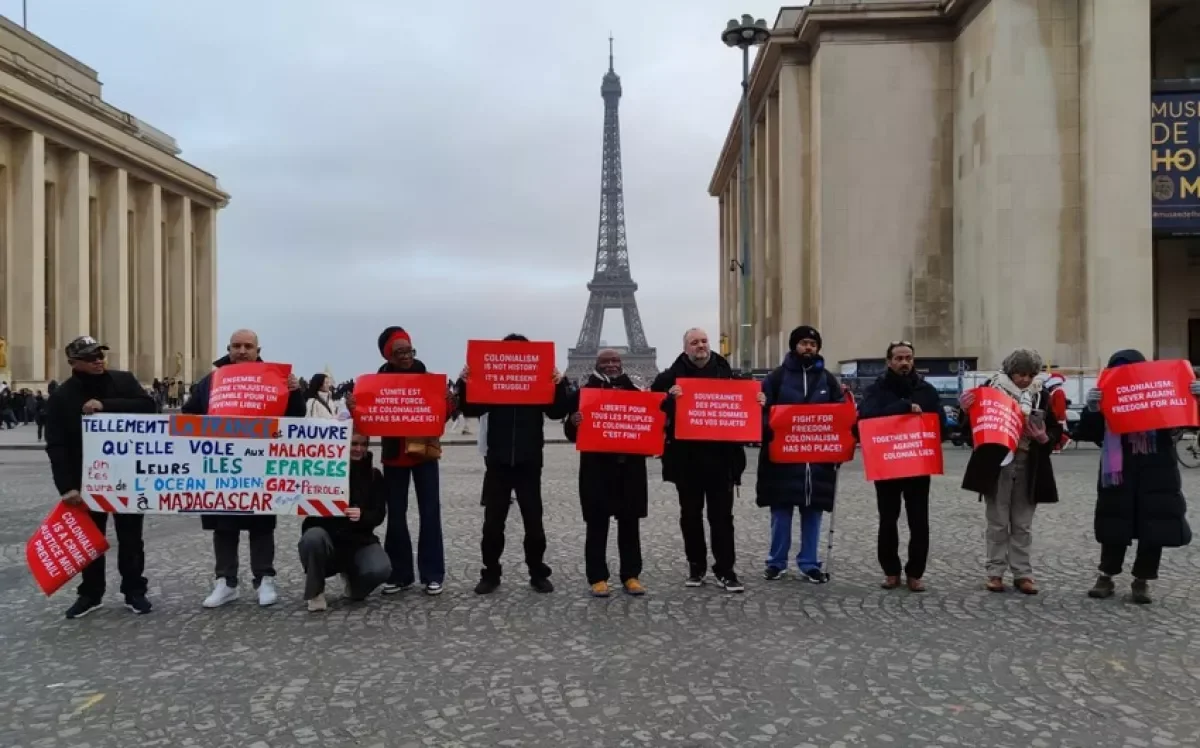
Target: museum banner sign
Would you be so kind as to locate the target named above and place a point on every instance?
(1175, 129)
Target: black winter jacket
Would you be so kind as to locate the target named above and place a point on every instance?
(699, 460)
(118, 391)
(807, 485)
(197, 404)
(610, 485)
(516, 433)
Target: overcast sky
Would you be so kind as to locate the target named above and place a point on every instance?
(433, 165)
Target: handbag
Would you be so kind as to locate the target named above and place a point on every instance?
(423, 449)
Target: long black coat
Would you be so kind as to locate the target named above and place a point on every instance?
(1148, 505)
(197, 404)
(983, 468)
(610, 485)
(697, 460)
(807, 485)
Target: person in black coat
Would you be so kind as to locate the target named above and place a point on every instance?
(704, 472)
(1012, 484)
(226, 528)
(94, 388)
(786, 487)
(347, 545)
(610, 485)
(902, 390)
(1139, 496)
(515, 439)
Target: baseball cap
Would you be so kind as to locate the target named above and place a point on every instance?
(84, 346)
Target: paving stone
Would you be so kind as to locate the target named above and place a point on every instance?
(786, 664)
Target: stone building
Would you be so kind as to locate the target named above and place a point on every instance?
(105, 230)
(970, 175)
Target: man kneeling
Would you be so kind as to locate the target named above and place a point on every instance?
(347, 545)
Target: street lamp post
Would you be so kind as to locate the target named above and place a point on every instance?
(745, 34)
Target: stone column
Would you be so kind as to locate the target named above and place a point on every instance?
(796, 305)
(26, 292)
(772, 288)
(1114, 86)
(758, 208)
(204, 225)
(114, 266)
(73, 281)
(148, 327)
(179, 286)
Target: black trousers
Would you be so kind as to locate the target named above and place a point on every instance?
(131, 557)
(500, 482)
(262, 554)
(695, 494)
(1145, 563)
(914, 494)
(629, 549)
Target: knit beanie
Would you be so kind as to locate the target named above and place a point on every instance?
(803, 332)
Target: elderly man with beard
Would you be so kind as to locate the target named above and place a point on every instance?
(704, 472)
(416, 460)
(227, 528)
(898, 391)
(610, 486)
(1013, 483)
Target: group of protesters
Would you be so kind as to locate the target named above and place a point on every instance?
(1139, 495)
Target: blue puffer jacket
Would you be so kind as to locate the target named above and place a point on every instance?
(810, 485)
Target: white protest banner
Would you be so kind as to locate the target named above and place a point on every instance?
(187, 464)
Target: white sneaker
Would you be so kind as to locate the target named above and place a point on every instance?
(222, 593)
(317, 604)
(267, 594)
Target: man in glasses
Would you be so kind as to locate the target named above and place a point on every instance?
(899, 391)
(94, 388)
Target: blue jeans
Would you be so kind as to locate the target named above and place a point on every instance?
(781, 538)
(431, 558)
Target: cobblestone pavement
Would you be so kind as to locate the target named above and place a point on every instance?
(785, 664)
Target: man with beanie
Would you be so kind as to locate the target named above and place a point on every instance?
(704, 472)
(94, 388)
(898, 391)
(802, 379)
(227, 528)
(414, 460)
(513, 465)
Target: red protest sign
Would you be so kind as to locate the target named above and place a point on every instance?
(252, 389)
(66, 542)
(1148, 396)
(718, 410)
(995, 418)
(907, 446)
(510, 372)
(812, 433)
(621, 421)
(400, 404)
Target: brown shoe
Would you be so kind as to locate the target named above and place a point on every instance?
(890, 583)
(915, 585)
(1027, 586)
(995, 584)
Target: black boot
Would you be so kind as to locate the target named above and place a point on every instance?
(1140, 592)
(1103, 588)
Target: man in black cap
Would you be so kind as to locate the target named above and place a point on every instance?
(93, 388)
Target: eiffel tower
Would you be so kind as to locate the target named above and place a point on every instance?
(612, 285)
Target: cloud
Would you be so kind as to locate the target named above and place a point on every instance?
(432, 165)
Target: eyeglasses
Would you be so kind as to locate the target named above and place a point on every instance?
(904, 343)
(405, 352)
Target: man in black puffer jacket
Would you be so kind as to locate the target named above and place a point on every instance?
(902, 390)
(515, 438)
(94, 388)
(703, 472)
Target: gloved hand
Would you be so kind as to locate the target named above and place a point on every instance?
(1093, 399)
(1195, 388)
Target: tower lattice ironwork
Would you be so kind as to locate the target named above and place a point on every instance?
(612, 285)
